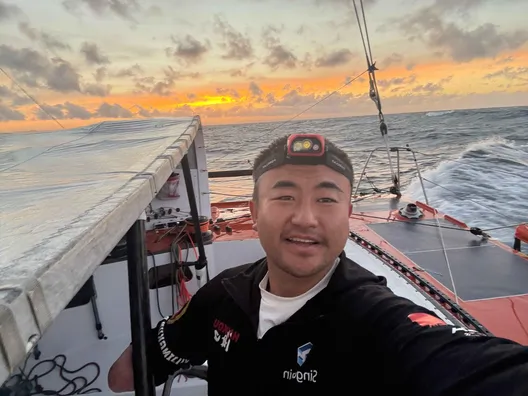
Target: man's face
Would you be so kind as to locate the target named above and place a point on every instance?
(301, 215)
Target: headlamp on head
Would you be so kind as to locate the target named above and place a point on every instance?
(305, 149)
(305, 145)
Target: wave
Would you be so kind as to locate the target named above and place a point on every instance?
(438, 113)
(483, 185)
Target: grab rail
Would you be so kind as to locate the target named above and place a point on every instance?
(230, 173)
(195, 371)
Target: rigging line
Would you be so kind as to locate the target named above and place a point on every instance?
(31, 97)
(358, 216)
(374, 92)
(506, 226)
(405, 221)
(366, 30)
(302, 112)
(319, 101)
(440, 233)
(444, 250)
(369, 61)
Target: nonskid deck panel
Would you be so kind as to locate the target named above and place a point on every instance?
(480, 269)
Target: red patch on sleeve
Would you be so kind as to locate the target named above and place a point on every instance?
(426, 320)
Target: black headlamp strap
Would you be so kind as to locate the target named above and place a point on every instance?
(305, 149)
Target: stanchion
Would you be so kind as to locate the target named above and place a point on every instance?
(139, 308)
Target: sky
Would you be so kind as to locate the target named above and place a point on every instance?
(67, 63)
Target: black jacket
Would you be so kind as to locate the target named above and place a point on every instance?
(354, 337)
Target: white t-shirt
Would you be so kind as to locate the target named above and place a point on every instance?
(275, 310)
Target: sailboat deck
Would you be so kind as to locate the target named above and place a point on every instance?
(481, 270)
(490, 278)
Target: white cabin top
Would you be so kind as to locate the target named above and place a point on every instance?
(67, 197)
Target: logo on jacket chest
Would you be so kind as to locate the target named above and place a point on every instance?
(300, 375)
(224, 334)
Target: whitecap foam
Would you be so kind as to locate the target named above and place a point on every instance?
(484, 186)
(438, 113)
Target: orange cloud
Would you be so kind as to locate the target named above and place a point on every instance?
(280, 98)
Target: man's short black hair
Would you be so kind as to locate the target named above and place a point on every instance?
(278, 145)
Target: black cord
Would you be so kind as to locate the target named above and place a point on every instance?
(28, 384)
(174, 259)
(155, 267)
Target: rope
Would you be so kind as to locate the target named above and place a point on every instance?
(473, 230)
(319, 101)
(444, 250)
(31, 97)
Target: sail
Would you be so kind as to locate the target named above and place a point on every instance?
(66, 199)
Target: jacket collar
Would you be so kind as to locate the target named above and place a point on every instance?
(244, 288)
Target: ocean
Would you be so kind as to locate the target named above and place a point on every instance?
(474, 162)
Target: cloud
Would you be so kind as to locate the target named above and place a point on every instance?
(291, 103)
(122, 8)
(427, 88)
(387, 83)
(63, 77)
(236, 45)
(402, 84)
(222, 91)
(131, 71)
(92, 54)
(461, 44)
(335, 58)
(8, 11)
(164, 87)
(394, 58)
(254, 89)
(240, 72)
(100, 74)
(188, 50)
(454, 6)
(151, 86)
(97, 89)
(8, 114)
(46, 112)
(50, 42)
(278, 55)
(115, 110)
(70, 111)
(11, 96)
(34, 69)
(510, 73)
(345, 3)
